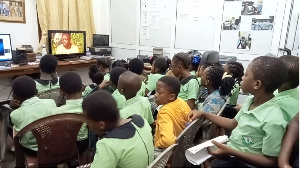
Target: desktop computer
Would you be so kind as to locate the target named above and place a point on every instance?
(5, 49)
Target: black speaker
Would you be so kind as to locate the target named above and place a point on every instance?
(20, 57)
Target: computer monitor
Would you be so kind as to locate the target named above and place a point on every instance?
(67, 43)
(5, 48)
(100, 40)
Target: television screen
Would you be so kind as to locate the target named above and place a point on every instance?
(5, 48)
(67, 42)
(100, 40)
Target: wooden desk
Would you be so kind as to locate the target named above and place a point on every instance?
(30, 69)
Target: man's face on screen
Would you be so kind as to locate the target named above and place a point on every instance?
(66, 40)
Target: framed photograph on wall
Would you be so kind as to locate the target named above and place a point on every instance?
(12, 11)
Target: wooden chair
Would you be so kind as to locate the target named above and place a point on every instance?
(56, 138)
(185, 140)
(53, 94)
(162, 160)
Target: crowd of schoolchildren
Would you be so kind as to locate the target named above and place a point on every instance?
(264, 129)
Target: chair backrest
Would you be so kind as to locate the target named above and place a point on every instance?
(185, 140)
(53, 94)
(56, 138)
(210, 56)
(162, 160)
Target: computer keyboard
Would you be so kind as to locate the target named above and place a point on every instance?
(71, 59)
(5, 63)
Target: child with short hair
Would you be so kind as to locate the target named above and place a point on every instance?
(258, 128)
(126, 143)
(129, 85)
(288, 93)
(70, 87)
(158, 70)
(137, 66)
(189, 84)
(97, 78)
(172, 116)
(104, 66)
(114, 78)
(31, 108)
(48, 77)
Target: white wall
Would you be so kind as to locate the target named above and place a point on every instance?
(23, 33)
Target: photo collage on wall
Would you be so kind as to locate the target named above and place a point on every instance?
(244, 18)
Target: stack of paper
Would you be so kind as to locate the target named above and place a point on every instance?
(198, 154)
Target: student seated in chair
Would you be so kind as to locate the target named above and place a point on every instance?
(48, 79)
(137, 66)
(96, 77)
(70, 87)
(126, 143)
(259, 126)
(114, 78)
(129, 84)
(287, 96)
(31, 108)
(172, 116)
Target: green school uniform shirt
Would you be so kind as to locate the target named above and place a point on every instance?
(73, 106)
(31, 110)
(106, 77)
(120, 99)
(127, 146)
(189, 90)
(141, 92)
(193, 73)
(234, 94)
(288, 101)
(137, 105)
(45, 85)
(259, 131)
(87, 91)
(152, 80)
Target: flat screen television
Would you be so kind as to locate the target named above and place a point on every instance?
(5, 47)
(67, 44)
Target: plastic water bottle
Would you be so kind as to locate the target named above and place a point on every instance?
(88, 53)
(44, 51)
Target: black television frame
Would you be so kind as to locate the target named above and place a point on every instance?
(3, 60)
(65, 56)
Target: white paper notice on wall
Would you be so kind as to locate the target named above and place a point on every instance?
(145, 32)
(154, 21)
(165, 9)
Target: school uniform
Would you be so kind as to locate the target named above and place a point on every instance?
(31, 110)
(234, 94)
(259, 131)
(106, 77)
(127, 146)
(193, 73)
(120, 99)
(75, 106)
(45, 85)
(137, 105)
(189, 89)
(88, 89)
(152, 80)
(142, 91)
(288, 101)
(171, 121)
(213, 103)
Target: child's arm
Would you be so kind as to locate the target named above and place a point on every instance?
(220, 121)
(291, 136)
(165, 130)
(256, 159)
(191, 103)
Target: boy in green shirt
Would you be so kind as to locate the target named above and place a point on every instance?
(126, 143)
(258, 128)
(189, 84)
(70, 87)
(48, 79)
(96, 77)
(114, 78)
(31, 108)
(158, 70)
(288, 94)
(129, 85)
(137, 66)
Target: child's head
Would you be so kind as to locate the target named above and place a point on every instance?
(115, 73)
(48, 64)
(23, 88)
(129, 84)
(180, 63)
(195, 61)
(70, 85)
(292, 64)
(235, 69)
(264, 74)
(205, 65)
(152, 59)
(167, 89)
(213, 78)
(120, 63)
(160, 66)
(103, 63)
(101, 112)
(136, 66)
(95, 75)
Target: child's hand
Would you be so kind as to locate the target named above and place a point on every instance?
(104, 84)
(222, 150)
(193, 115)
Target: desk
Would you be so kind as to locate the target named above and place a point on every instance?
(30, 69)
